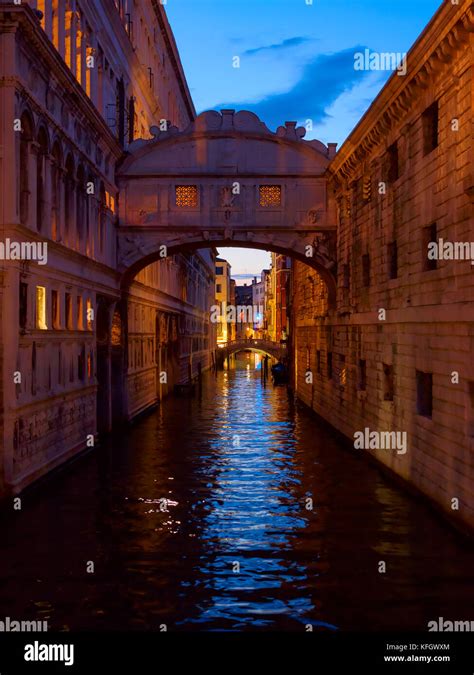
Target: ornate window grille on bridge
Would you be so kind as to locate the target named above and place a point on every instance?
(186, 195)
(270, 195)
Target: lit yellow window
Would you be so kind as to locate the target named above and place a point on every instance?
(79, 316)
(186, 195)
(116, 337)
(41, 308)
(110, 201)
(270, 195)
(89, 314)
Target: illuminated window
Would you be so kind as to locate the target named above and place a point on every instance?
(90, 314)
(40, 5)
(342, 370)
(110, 201)
(270, 195)
(116, 337)
(79, 316)
(186, 195)
(41, 308)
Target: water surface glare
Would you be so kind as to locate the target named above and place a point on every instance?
(196, 518)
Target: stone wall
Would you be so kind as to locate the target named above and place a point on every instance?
(396, 352)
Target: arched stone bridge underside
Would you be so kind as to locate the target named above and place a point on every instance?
(275, 349)
(227, 180)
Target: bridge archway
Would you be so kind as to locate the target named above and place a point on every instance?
(227, 180)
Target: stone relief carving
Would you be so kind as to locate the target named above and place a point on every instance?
(130, 245)
(227, 198)
(314, 216)
(324, 244)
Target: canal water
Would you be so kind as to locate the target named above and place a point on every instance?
(232, 510)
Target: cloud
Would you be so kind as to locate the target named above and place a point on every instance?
(323, 80)
(290, 42)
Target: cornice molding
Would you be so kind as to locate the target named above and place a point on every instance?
(434, 56)
(24, 19)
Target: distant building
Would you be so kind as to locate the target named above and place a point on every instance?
(282, 278)
(81, 82)
(232, 324)
(243, 300)
(223, 299)
(258, 301)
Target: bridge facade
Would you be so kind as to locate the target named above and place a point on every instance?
(275, 349)
(227, 180)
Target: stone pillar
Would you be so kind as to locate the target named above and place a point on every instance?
(9, 140)
(71, 30)
(46, 229)
(94, 72)
(83, 73)
(61, 26)
(60, 232)
(48, 18)
(9, 341)
(71, 224)
(32, 169)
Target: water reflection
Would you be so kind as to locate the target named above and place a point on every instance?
(234, 510)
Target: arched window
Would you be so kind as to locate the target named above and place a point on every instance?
(56, 192)
(40, 177)
(24, 182)
(69, 186)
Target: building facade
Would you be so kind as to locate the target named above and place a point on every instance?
(258, 306)
(81, 80)
(395, 354)
(281, 264)
(223, 300)
(244, 328)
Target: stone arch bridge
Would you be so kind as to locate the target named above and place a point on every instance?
(227, 180)
(275, 349)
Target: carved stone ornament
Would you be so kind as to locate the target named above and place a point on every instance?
(324, 245)
(227, 198)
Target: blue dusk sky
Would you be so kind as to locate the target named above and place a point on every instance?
(296, 63)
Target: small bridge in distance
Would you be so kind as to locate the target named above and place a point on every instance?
(275, 349)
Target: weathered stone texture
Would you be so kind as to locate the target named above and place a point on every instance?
(429, 324)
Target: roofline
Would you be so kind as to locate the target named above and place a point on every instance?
(444, 19)
(170, 42)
